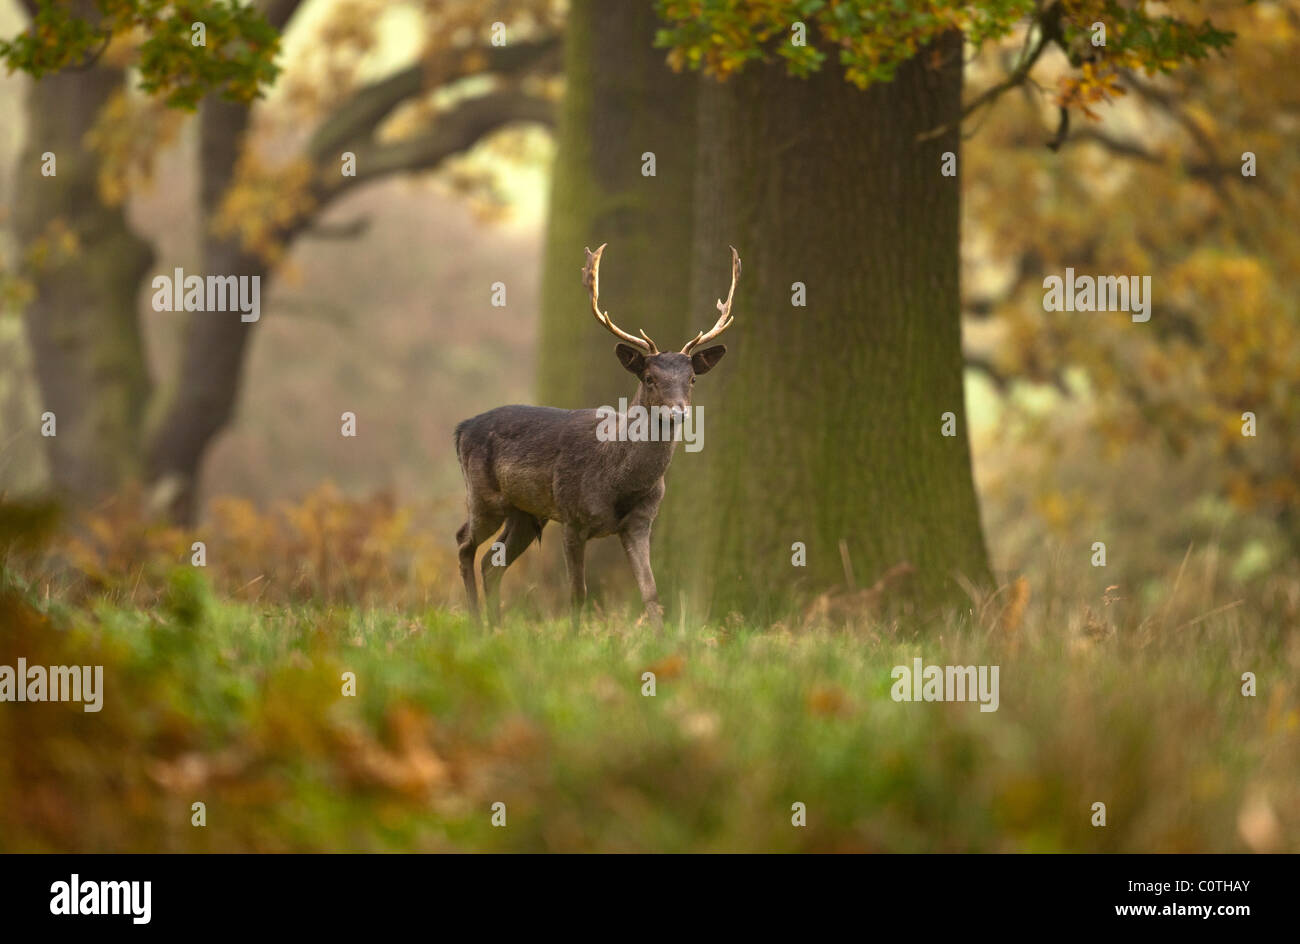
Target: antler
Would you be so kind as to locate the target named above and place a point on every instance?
(591, 279)
(724, 319)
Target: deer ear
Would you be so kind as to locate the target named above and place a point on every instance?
(707, 359)
(631, 359)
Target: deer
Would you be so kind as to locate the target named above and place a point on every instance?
(527, 465)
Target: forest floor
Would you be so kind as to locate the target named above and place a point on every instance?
(245, 709)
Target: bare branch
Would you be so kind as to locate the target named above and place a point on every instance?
(1062, 129)
(1166, 101)
(454, 131)
(1036, 40)
(358, 117)
(1207, 171)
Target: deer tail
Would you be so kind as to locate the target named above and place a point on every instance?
(460, 455)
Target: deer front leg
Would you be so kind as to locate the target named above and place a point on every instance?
(636, 543)
(575, 543)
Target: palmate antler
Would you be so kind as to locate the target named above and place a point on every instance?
(724, 319)
(591, 279)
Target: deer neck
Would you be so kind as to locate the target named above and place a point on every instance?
(639, 463)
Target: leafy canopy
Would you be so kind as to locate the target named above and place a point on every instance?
(236, 61)
(873, 37)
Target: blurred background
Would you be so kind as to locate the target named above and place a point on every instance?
(379, 300)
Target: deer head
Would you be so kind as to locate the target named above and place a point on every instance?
(666, 377)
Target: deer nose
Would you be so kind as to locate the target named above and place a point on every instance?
(677, 413)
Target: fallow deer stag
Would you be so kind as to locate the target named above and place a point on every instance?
(527, 465)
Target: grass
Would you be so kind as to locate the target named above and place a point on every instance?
(240, 707)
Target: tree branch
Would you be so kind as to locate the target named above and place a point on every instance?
(1036, 40)
(93, 57)
(1116, 146)
(1166, 101)
(1207, 171)
(455, 131)
(357, 118)
(1062, 128)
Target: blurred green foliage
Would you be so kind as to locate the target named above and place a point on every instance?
(235, 60)
(240, 707)
(1138, 435)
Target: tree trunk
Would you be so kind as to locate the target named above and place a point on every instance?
(206, 388)
(621, 100)
(83, 322)
(824, 423)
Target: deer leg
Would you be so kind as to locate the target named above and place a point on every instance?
(521, 530)
(471, 534)
(636, 543)
(575, 544)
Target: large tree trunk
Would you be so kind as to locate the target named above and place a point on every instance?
(83, 323)
(206, 388)
(824, 422)
(620, 101)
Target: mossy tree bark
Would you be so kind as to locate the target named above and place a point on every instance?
(824, 422)
(621, 100)
(82, 324)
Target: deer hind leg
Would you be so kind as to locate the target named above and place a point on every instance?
(521, 530)
(481, 525)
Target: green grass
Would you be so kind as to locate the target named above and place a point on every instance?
(240, 707)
